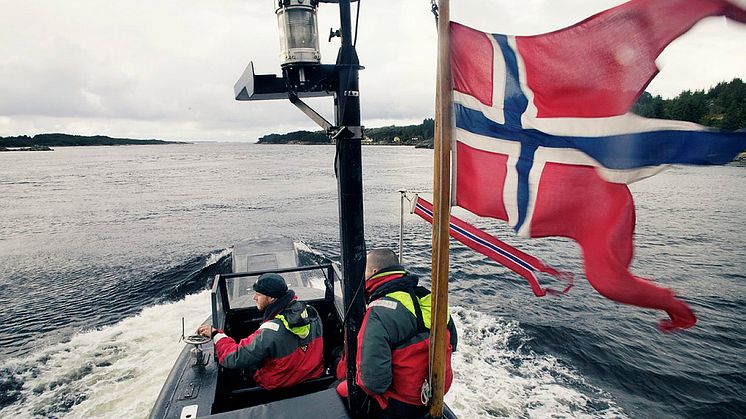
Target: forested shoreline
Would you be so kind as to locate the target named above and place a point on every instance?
(723, 107)
(42, 142)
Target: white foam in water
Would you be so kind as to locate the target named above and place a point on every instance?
(495, 377)
(317, 279)
(302, 247)
(216, 257)
(119, 370)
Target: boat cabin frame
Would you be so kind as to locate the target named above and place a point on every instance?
(202, 387)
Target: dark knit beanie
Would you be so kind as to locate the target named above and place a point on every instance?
(271, 285)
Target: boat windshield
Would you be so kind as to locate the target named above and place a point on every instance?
(308, 285)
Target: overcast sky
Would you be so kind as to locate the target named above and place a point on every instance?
(165, 69)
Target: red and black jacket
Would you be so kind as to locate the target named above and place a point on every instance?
(287, 349)
(394, 339)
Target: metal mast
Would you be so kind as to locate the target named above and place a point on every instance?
(304, 76)
(350, 191)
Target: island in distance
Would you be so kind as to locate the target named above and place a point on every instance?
(43, 142)
(420, 136)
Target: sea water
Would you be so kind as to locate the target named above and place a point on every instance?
(103, 251)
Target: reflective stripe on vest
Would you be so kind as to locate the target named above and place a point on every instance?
(405, 299)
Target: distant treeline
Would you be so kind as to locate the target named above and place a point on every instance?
(296, 137)
(723, 106)
(61, 140)
(406, 135)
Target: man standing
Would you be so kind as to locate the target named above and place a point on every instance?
(286, 349)
(394, 339)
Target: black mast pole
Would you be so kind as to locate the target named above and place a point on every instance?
(350, 191)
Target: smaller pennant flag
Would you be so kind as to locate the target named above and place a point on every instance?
(521, 263)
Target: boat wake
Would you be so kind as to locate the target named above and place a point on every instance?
(496, 375)
(119, 370)
(116, 371)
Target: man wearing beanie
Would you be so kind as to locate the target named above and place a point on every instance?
(394, 340)
(287, 349)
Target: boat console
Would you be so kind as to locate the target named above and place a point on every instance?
(199, 387)
(238, 317)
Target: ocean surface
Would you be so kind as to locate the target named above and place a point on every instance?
(103, 250)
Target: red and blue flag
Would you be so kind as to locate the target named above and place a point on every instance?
(517, 261)
(544, 139)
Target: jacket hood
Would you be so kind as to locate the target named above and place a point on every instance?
(297, 318)
(297, 313)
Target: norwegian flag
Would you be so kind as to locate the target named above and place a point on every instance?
(521, 263)
(544, 139)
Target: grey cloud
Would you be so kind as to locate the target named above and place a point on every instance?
(166, 69)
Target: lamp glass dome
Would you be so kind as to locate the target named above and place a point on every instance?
(299, 34)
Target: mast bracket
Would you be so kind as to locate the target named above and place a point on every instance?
(309, 111)
(347, 133)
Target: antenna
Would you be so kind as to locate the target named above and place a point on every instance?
(403, 193)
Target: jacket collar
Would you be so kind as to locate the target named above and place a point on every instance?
(383, 276)
(278, 306)
(388, 280)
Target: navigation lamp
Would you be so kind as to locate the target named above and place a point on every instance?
(299, 33)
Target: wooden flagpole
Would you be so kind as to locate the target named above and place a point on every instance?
(441, 213)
